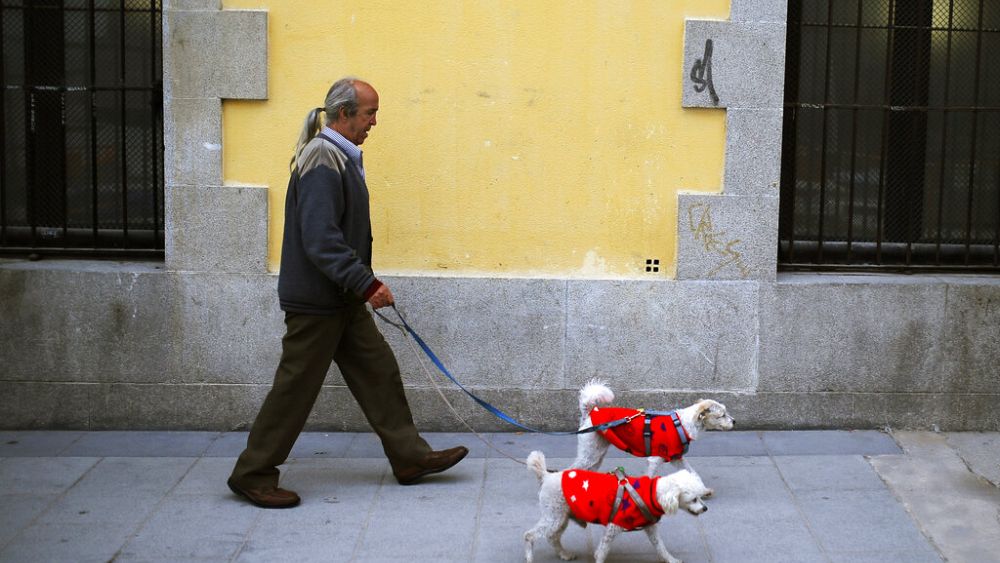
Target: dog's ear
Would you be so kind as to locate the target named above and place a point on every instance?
(704, 407)
(670, 499)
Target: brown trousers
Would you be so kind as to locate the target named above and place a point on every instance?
(370, 370)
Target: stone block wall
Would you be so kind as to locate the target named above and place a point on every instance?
(192, 343)
(156, 349)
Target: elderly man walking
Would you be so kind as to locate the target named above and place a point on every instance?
(325, 281)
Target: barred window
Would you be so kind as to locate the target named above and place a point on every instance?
(82, 156)
(891, 142)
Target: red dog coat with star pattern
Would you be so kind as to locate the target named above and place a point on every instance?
(666, 440)
(591, 496)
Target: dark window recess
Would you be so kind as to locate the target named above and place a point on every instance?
(891, 142)
(81, 164)
(653, 265)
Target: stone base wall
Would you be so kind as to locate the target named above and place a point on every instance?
(94, 345)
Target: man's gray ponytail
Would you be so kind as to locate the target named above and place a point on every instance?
(342, 96)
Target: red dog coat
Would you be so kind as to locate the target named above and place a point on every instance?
(666, 435)
(591, 496)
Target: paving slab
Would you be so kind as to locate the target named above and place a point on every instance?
(122, 508)
(141, 444)
(364, 446)
(821, 473)
(980, 451)
(509, 508)
(844, 521)
(43, 475)
(322, 541)
(19, 511)
(308, 445)
(732, 443)
(922, 556)
(324, 444)
(192, 527)
(740, 526)
(829, 442)
(681, 533)
(36, 443)
(206, 476)
(83, 542)
(118, 490)
(131, 474)
(338, 494)
(335, 482)
(228, 444)
(754, 478)
(520, 444)
(447, 504)
(955, 508)
(477, 447)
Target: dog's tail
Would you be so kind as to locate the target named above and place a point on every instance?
(536, 463)
(594, 393)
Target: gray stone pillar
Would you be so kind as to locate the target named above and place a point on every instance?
(210, 54)
(738, 65)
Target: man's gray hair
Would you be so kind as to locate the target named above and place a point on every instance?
(343, 95)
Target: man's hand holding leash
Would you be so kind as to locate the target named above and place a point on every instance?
(381, 298)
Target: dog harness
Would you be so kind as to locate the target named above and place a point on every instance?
(611, 498)
(647, 433)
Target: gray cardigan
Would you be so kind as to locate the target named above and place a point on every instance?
(326, 253)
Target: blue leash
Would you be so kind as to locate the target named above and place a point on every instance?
(496, 412)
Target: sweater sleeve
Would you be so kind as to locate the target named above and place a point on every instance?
(321, 207)
(372, 289)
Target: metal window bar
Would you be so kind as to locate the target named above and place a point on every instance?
(878, 209)
(3, 136)
(122, 120)
(823, 161)
(890, 37)
(944, 134)
(975, 127)
(92, 49)
(43, 205)
(154, 116)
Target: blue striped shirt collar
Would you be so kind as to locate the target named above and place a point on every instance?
(352, 151)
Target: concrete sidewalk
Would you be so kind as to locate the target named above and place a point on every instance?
(780, 496)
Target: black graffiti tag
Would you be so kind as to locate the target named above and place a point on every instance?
(701, 73)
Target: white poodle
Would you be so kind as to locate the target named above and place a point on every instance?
(624, 504)
(662, 436)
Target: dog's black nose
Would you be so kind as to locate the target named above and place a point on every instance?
(706, 508)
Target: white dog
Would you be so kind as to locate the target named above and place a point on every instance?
(624, 504)
(660, 436)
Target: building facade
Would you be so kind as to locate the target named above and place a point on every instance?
(560, 193)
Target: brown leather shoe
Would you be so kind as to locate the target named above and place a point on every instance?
(266, 497)
(434, 462)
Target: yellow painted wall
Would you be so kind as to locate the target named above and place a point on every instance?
(515, 138)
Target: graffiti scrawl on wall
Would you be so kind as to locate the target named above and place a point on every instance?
(713, 241)
(701, 73)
